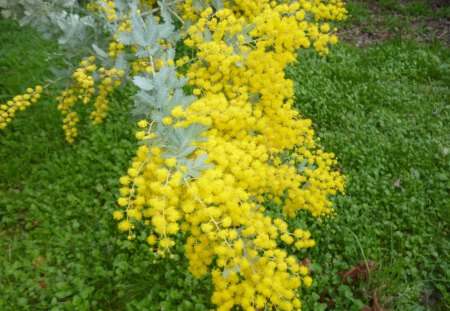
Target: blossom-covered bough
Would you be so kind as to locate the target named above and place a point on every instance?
(224, 160)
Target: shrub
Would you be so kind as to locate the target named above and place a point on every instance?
(224, 160)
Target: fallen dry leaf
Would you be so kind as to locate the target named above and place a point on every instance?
(42, 284)
(361, 272)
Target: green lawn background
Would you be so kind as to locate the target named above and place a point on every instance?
(384, 109)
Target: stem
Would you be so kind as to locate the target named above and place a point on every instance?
(159, 9)
(176, 15)
(153, 65)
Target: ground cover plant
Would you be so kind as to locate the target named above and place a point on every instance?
(381, 109)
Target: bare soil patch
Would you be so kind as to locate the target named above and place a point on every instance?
(386, 24)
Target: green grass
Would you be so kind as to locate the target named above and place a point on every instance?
(424, 8)
(384, 110)
(417, 8)
(376, 21)
(22, 63)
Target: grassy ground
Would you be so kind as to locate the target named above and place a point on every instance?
(382, 108)
(381, 20)
(385, 111)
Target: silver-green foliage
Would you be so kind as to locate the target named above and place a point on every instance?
(162, 91)
(159, 91)
(52, 18)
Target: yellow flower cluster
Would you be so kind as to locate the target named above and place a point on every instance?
(108, 8)
(144, 66)
(306, 17)
(148, 3)
(141, 66)
(260, 148)
(93, 8)
(157, 202)
(231, 194)
(18, 102)
(115, 48)
(84, 88)
(110, 80)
